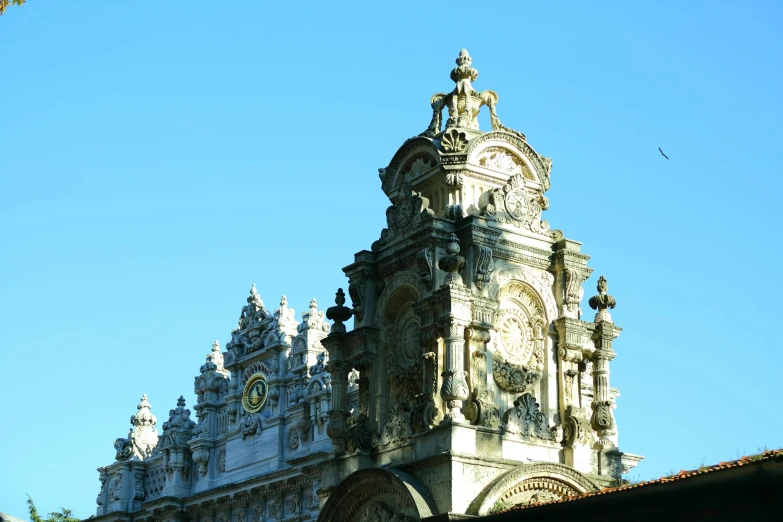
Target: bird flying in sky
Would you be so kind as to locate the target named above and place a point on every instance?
(662, 154)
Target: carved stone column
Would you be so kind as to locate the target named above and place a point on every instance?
(338, 369)
(605, 332)
(455, 387)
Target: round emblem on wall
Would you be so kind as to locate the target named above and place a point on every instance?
(516, 336)
(254, 394)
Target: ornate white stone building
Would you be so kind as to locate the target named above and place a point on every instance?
(469, 383)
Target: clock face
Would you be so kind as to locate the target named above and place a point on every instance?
(254, 395)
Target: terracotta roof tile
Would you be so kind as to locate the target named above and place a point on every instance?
(747, 459)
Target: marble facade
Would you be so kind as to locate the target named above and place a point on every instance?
(469, 382)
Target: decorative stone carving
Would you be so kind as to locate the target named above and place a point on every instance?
(483, 266)
(424, 415)
(339, 313)
(292, 438)
(454, 141)
(576, 428)
(251, 424)
(425, 260)
(408, 211)
(463, 103)
(526, 419)
(516, 205)
(482, 410)
(179, 428)
(512, 377)
(602, 302)
(337, 427)
(319, 366)
(201, 458)
(377, 512)
(452, 262)
(359, 436)
(397, 426)
(356, 291)
(221, 461)
(292, 506)
(573, 287)
(454, 391)
(142, 438)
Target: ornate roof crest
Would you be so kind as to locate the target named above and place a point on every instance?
(464, 104)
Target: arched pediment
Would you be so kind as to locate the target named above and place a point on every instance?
(509, 155)
(540, 284)
(531, 483)
(378, 493)
(416, 156)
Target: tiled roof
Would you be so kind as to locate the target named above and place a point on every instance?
(684, 474)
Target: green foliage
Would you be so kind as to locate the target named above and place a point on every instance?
(64, 515)
(6, 3)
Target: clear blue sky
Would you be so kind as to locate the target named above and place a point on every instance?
(158, 158)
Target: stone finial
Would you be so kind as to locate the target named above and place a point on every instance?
(463, 73)
(144, 416)
(254, 311)
(313, 319)
(602, 302)
(464, 102)
(214, 360)
(452, 262)
(340, 313)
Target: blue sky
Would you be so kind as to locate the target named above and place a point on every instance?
(158, 159)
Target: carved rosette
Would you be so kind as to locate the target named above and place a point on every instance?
(519, 206)
(512, 377)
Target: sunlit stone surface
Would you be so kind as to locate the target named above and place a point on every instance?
(469, 383)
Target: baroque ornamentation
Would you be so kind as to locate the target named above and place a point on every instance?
(221, 461)
(484, 265)
(576, 429)
(516, 205)
(179, 428)
(377, 512)
(397, 426)
(255, 393)
(359, 436)
(512, 377)
(526, 419)
(452, 262)
(142, 438)
(454, 141)
(481, 409)
(464, 103)
(602, 302)
(339, 313)
(356, 291)
(408, 211)
(251, 424)
(292, 439)
(572, 287)
(201, 458)
(425, 261)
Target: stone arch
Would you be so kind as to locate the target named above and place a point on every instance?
(531, 483)
(408, 283)
(403, 160)
(539, 167)
(378, 491)
(541, 284)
